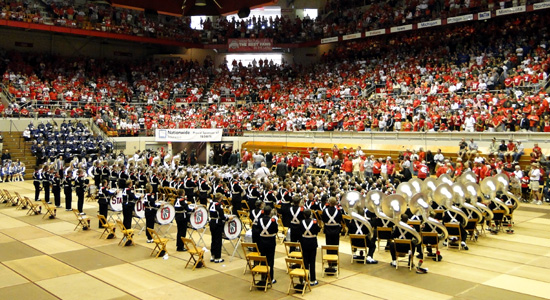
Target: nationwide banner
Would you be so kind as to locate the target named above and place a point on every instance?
(188, 135)
(249, 45)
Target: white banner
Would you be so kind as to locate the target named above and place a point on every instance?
(375, 32)
(459, 19)
(511, 10)
(401, 28)
(329, 40)
(188, 135)
(484, 15)
(429, 24)
(351, 36)
(543, 5)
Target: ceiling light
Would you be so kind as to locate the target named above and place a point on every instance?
(200, 3)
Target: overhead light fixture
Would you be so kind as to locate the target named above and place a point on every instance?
(200, 3)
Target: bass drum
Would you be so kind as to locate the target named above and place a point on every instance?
(199, 217)
(116, 202)
(233, 229)
(165, 214)
(139, 209)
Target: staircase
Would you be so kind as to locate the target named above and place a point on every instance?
(19, 149)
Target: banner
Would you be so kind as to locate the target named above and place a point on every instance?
(188, 135)
(511, 10)
(459, 19)
(375, 32)
(249, 45)
(484, 15)
(401, 28)
(351, 36)
(429, 24)
(329, 40)
(542, 5)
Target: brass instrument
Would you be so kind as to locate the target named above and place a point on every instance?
(429, 185)
(503, 183)
(443, 196)
(416, 185)
(394, 206)
(489, 188)
(374, 203)
(354, 200)
(472, 192)
(406, 190)
(468, 176)
(445, 178)
(419, 203)
(460, 195)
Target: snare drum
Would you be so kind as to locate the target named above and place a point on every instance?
(139, 209)
(199, 217)
(165, 214)
(116, 203)
(233, 228)
(93, 189)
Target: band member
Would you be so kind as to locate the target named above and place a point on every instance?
(269, 195)
(267, 225)
(128, 202)
(151, 208)
(204, 189)
(454, 218)
(252, 193)
(189, 185)
(399, 233)
(103, 198)
(56, 187)
(332, 218)
(37, 180)
(81, 182)
(68, 190)
(236, 194)
(96, 172)
(182, 210)
(356, 227)
(308, 230)
(255, 215)
(296, 215)
(217, 220)
(46, 184)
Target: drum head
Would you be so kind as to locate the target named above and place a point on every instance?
(116, 203)
(199, 217)
(165, 214)
(233, 228)
(139, 209)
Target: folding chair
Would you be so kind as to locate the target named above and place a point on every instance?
(128, 234)
(432, 239)
(9, 199)
(33, 207)
(282, 229)
(332, 260)
(83, 220)
(21, 202)
(403, 248)
(245, 220)
(471, 228)
(249, 249)
(299, 273)
(160, 243)
(383, 233)
(109, 228)
(260, 268)
(50, 210)
(244, 205)
(293, 250)
(196, 255)
(355, 240)
(454, 231)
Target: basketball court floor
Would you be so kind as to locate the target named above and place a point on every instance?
(47, 259)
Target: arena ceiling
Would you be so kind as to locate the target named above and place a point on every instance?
(189, 7)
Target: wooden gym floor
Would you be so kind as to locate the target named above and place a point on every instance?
(46, 259)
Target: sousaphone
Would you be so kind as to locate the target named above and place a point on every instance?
(419, 203)
(352, 201)
(489, 187)
(394, 206)
(472, 192)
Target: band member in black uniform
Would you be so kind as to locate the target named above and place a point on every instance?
(103, 197)
(142, 179)
(267, 225)
(332, 218)
(37, 180)
(296, 215)
(123, 177)
(128, 202)
(308, 230)
(182, 217)
(217, 220)
(155, 182)
(68, 191)
(189, 185)
(356, 227)
(106, 173)
(149, 200)
(255, 215)
(46, 184)
(269, 194)
(96, 172)
(454, 218)
(399, 233)
(204, 189)
(236, 194)
(252, 193)
(81, 182)
(56, 187)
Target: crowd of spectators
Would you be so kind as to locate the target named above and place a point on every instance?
(474, 77)
(339, 18)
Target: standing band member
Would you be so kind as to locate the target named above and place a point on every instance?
(68, 191)
(182, 217)
(37, 180)
(128, 203)
(81, 182)
(255, 215)
(46, 184)
(217, 220)
(103, 198)
(236, 194)
(332, 218)
(204, 188)
(308, 230)
(268, 234)
(56, 187)
(151, 208)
